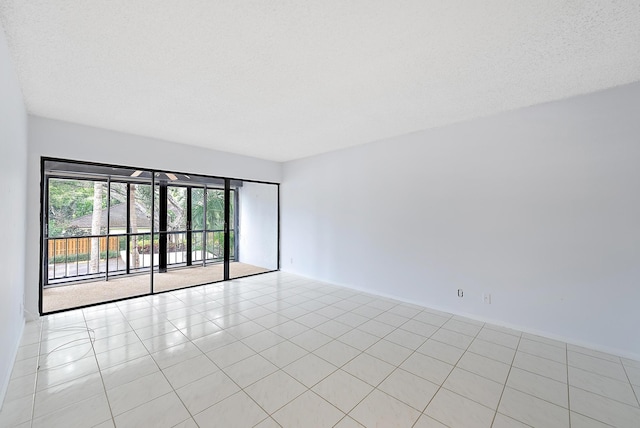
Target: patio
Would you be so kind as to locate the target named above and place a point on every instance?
(90, 292)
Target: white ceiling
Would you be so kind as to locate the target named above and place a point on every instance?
(282, 79)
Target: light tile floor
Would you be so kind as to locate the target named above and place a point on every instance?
(282, 350)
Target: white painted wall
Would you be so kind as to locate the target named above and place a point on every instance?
(258, 224)
(13, 161)
(539, 207)
(54, 138)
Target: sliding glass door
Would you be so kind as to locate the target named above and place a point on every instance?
(112, 232)
(191, 235)
(255, 229)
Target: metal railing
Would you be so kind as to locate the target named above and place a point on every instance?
(69, 258)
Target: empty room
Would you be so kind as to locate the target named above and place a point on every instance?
(320, 214)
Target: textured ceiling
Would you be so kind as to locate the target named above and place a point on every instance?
(282, 80)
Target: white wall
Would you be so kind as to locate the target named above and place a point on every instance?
(55, 138)
(539, 207)
(13, 162)
(258, 224)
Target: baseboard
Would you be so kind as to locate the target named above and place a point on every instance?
(5, 386)
(500, 323)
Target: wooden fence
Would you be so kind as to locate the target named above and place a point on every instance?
(80, 245)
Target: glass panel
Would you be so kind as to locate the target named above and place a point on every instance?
(256, 229)
(118, 212)
(86, 247)
(192, 256)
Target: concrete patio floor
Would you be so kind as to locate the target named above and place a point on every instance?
(91, 292)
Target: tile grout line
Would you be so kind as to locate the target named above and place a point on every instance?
(441, 386)
(504, 387)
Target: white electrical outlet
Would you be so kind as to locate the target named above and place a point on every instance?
(486, 297)
(460, 292)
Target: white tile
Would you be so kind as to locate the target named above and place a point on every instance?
(376, 328)
(433, 319)
(66, 372)
(337, 353)
(312, 319)
(541, 366)
(24, 367)
(308, 407)
(630, 363)
(121, 355)
(462, 327)
(207, 391)
(23, 386)
(289, 329)
(147, 332)
(13, 412)
(602, 385)
(428, 422)
(343, 390)
(406, 339)
(129, 371)
(474, 387)
(89, 412)
(441, 351)
(634, 374)
(230, 354)
(405, 310)
(333, 328)
(492, 350)
(419, 328)
(311, 340)
(581, 421)
(392, 319)
(427, 368)
(543, 350)
(115, 341)
(499, 338)
(275, 390)
(139, 391)
(502, 421)
(358, 339)
(389, 352)
(539, 386)
(531, 410)
(283, 353)
(50, 399)
(263, 340)
(162, 412)
(268, 423)
(545, 340)
(369, 369)
(164, 341)
(347, 422)
(603, 409)
(245, 329)
(455, 411)
(271, 320)
(597, 365)
(452, 338)
(483, 366)
(189, 370)
(380, 409)
(214, 341)
(176, 354)
(408, 388)
(250, 370)
(310, 369)
(594, 353)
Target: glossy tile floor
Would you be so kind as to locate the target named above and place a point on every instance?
(281, 350)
